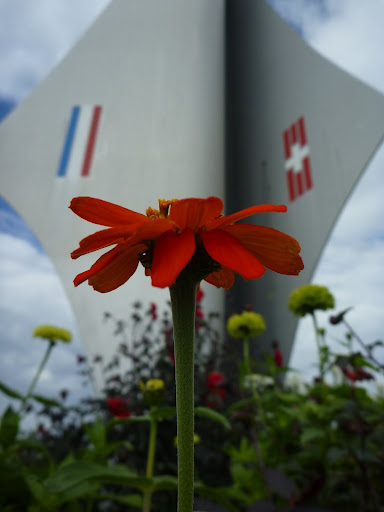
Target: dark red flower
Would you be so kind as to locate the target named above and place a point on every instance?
(153, 311)
(200, 295)
(350, 374)
(118, 407)
(215, 379)
(278, 357)
(357, 374)
(363, 375)
(216, 393)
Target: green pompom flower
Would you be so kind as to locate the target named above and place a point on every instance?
(52, 333)
(246, 325)
(309, 298)
(153, 391)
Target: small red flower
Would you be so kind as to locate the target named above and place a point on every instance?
(357, 374)
(216, 393)
(278, 357)
(188, 235)
(153, 311)
(199, 295)
(118, 407)
(363, 375)
(215, 379)
(350, 374)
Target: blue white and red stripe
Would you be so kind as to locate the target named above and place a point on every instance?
(80, 140)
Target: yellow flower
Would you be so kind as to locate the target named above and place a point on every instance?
(246, 325)
(309, 298)
(52, 333)
(153, 391)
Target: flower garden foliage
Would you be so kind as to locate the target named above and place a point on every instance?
(288, 443)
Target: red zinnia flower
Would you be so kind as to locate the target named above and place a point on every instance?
(118, 407)
(188, 235)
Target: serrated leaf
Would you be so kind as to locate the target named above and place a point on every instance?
(213, 415)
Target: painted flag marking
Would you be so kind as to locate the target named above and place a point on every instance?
(297, 160)
(79, 144)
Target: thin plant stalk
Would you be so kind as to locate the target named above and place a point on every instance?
(147, 498)
(183, 300)
(247, 360)
(318, 343)
(38, 373)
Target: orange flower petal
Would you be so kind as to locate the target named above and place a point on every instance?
(276, 250)
(230, 219)
(194, 213)
(139, 232)
(171, 254)
(118, 270)
(103, 238)
(104, 260)
(229, 252)
(222, 279)
(105, 213)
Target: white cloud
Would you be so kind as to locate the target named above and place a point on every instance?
(33, 295)
(34, 36)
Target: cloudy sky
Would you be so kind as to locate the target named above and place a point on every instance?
(34, 36)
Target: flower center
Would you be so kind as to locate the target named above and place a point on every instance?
(162, 212)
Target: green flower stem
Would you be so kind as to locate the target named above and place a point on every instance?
(183, 299)
(38, 373)
(247, 361)
(318, 343)
(147, 498)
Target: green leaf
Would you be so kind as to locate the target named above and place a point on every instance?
(220, 495)
(96, 432)
(213, 415)
(125, 421)
(162, 413)
(46, 401)
(164, 482)
(134, 500)
(312, 434)
(87, 472)
(9, 427)
(46, 501)
(10, 392)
